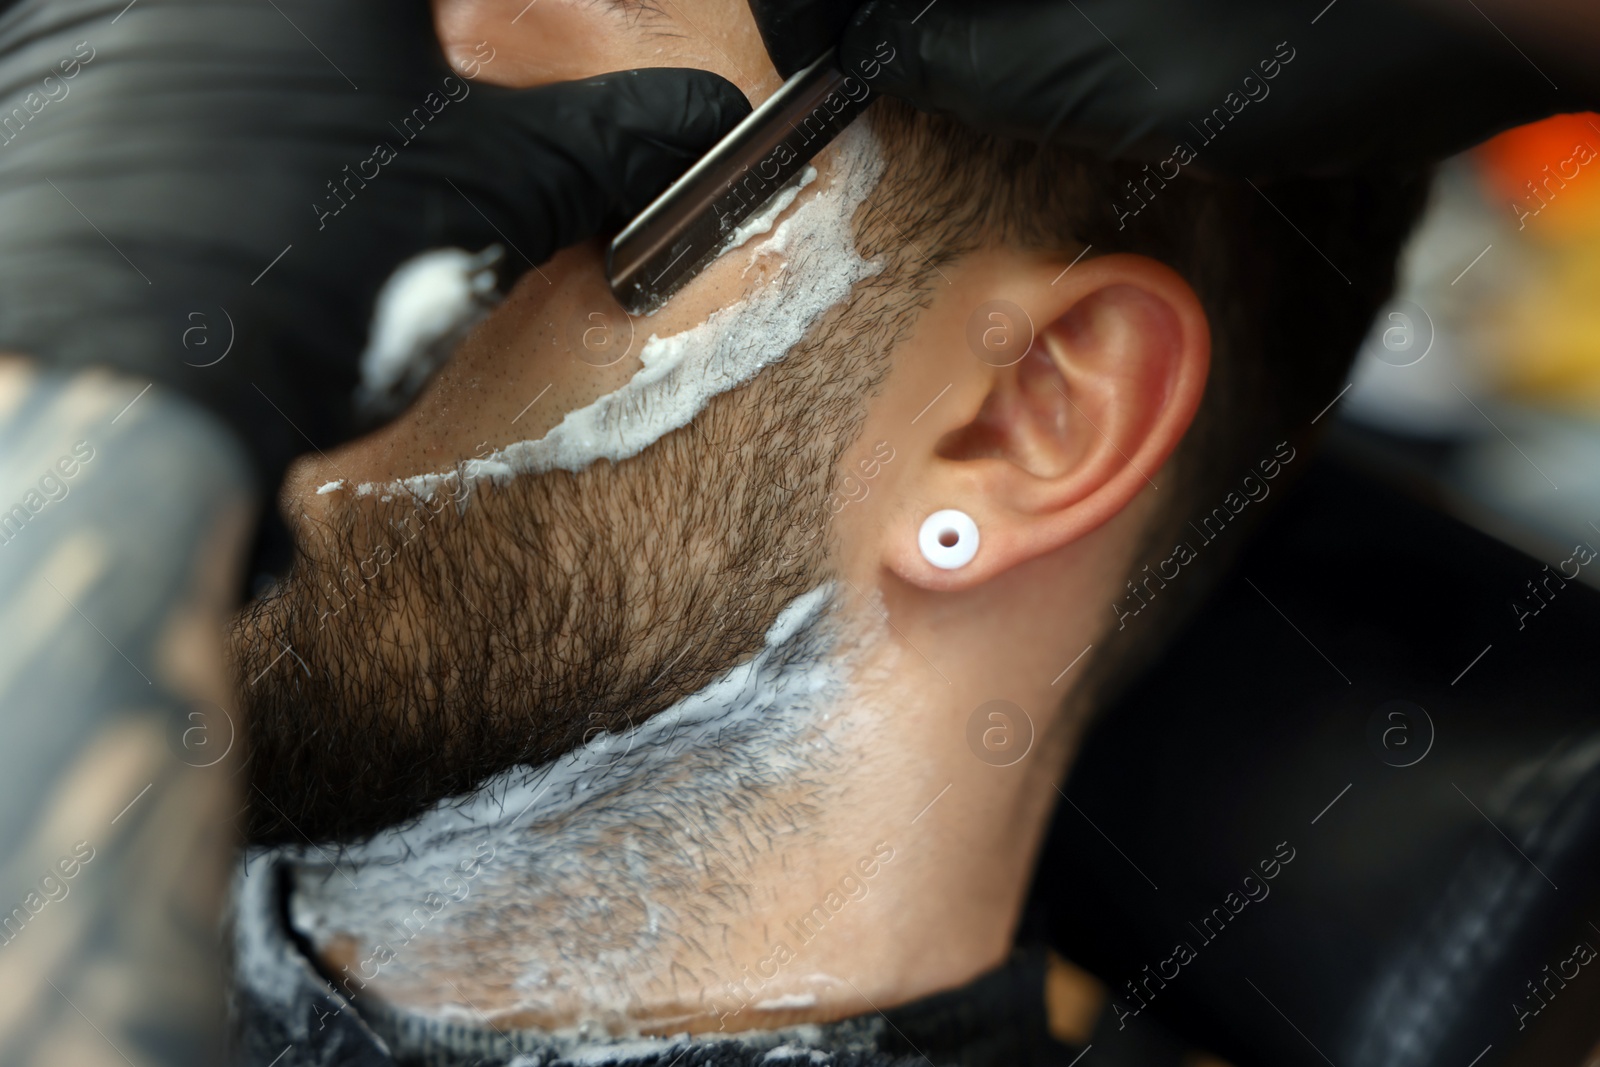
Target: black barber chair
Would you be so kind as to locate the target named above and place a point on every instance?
(1362, 694)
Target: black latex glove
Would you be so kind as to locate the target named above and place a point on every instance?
(174, 167)
(1371, 81)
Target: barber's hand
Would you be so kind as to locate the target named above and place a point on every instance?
(247, 174)
(1369, 82)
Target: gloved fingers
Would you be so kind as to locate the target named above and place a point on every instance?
(929, 66)
(558, 164)
(1037, 71)
(1411, 84)
(798, 31)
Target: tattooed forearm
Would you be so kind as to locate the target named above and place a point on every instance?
(123, 518)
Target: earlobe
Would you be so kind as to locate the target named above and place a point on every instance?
(1047, 449)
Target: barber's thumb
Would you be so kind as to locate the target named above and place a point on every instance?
(587, 155)
(899, 40)
(798, 31)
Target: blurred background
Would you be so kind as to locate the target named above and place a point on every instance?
(1479, 386)
(1438, 880)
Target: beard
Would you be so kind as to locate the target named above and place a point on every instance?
(436, 646)
(417, 648)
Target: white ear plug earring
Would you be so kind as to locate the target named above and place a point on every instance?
(948, 539)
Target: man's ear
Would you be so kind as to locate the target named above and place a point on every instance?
(1069, 391)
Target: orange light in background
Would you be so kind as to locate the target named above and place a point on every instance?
(1551, 171)
(1541, 335)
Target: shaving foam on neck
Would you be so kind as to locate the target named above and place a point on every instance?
(682, 372)
(536, 853)
(789, 672)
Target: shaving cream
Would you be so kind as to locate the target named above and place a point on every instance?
(526, 796)
(682, 372)
(525, 833)
(423, 310)
(762, 221)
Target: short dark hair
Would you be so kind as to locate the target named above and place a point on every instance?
(1290, 273)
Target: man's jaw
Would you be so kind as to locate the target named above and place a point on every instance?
(573, 892)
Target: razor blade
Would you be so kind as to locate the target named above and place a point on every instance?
(686, 227)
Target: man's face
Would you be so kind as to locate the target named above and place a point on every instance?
(424, 643)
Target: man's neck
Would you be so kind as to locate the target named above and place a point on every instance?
(806, 838)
